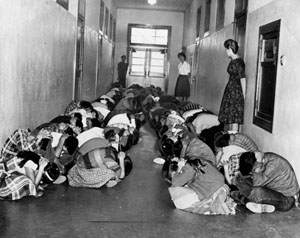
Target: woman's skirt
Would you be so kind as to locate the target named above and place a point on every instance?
(182, 88)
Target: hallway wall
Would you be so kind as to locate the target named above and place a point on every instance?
(165, 18)
(37, 60)
(89, 89)
(36, 65)
(285, 138)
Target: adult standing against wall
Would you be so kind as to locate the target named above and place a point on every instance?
(232, 106)
(122, 71)
(182, 89)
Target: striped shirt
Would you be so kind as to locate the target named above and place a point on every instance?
(243, 141)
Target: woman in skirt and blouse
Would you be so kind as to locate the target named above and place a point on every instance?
(232, 106)
(182, 89)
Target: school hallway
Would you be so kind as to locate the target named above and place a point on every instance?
(138, 207)
(56, 53)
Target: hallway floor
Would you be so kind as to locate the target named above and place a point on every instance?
(138, 207)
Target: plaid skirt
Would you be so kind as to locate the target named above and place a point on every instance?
(14, 185)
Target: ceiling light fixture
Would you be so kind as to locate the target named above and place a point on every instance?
(152, 2)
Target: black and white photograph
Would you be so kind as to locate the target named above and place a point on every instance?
(149, 118)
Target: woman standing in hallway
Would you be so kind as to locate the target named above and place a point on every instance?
(182, 89)
(232, 106)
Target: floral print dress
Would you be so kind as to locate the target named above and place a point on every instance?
(232, 106)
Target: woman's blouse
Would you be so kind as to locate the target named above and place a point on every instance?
(184, 68)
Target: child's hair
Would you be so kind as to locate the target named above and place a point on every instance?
(51, 173)
(69, 131)
(177, 147)
(110, 135)
(71, 143)
(167, 146)
(79, 124)
(96, 113)
(96, 123)
(247, 161)
(78, 116)
(85, 105)
(169, 166)
(44, 143)
(128, 165)
(26, 156)
(222, 140)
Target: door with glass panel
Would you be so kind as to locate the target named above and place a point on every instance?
(148, 55)
(148, 67)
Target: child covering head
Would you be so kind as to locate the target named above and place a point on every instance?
(65, 152)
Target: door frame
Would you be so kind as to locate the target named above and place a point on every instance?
(80, 21)
(99, 63)
(168, 46)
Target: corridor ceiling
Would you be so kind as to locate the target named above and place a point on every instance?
(165, 5)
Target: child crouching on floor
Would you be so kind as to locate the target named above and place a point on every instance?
(197, 186)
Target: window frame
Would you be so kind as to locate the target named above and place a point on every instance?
(241, 8)
(260, 119)
(111, 19)
(114, 31)
(198, 22)
(138, 73)
(101, 16)
(220, 18)
(207, 18)
(130, 26)
(106, 22)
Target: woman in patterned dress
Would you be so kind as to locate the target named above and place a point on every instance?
(232, 106)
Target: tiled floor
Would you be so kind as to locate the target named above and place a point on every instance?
(138, 207)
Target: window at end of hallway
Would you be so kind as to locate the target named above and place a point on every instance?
(220, 14)
(207, 17)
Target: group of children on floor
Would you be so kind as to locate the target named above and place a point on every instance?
(86, 145)
(209, 171)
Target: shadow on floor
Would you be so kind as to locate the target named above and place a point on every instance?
(140, 206)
